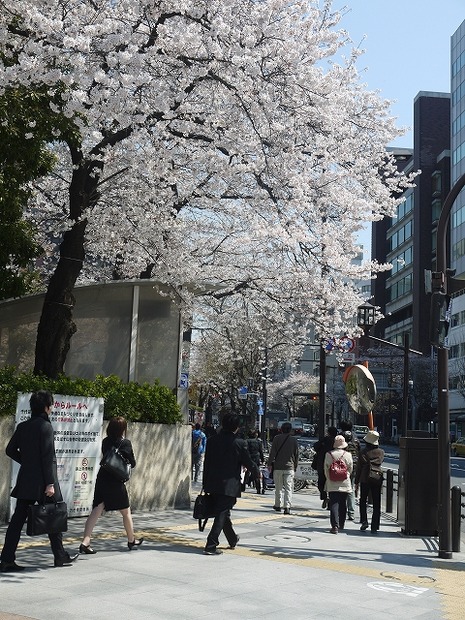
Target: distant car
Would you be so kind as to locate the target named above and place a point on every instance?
(458, 447)
(360, 431)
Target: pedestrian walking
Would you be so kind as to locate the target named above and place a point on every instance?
(255, 448)
(353, 446)
(225, 456)
(32, 446)
(199, 441)
(321, 447)
(338, 485)
(110, 493)
(284, 459)
(369, 480)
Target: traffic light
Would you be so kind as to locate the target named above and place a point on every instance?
(439, 319)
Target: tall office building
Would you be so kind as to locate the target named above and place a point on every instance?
(457, 234)
(408, 240)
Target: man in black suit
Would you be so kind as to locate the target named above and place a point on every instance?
(32, 446)
(224, 457)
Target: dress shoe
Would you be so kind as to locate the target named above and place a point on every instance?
(333, 530)
(287, 511)
(67, 560)
(87, 549)
(363, 527)
(277, 508)
(234, 545)
(135, 543)
(351, 518)
(212, 551)
(10, 567)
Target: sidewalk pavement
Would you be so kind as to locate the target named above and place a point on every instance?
(285, 566)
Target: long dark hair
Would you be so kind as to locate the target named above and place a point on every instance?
(117, 427)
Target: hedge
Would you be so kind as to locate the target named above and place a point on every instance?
(137, 402)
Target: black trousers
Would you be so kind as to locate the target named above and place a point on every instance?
(13, 534)
(221, 505)
(337, 508)
(321, 484)
(375, 489)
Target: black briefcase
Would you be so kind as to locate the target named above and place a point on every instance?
(50, 518)
(203, 509)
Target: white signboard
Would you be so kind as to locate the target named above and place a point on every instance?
(77, 424)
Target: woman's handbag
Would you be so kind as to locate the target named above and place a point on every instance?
(50, 518)
(115, 463)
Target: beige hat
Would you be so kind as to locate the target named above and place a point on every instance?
(372, 437)
(339, 443)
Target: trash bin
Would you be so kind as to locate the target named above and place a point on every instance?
(417, 499)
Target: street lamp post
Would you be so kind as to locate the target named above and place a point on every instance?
(444, 283)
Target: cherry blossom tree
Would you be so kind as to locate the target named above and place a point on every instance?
(221, 146)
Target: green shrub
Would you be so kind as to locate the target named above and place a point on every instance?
(144, 402)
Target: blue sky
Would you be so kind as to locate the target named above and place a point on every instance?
(407, 49)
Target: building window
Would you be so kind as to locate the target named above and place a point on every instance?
(400, 236)
(458, 64)
(436, 182)
(405, 207)
(458, 124)
(436, 207)
(458, 250)
(400, 288)
(458, 217)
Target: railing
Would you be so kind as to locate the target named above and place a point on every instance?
(392, 484)
(456, 516)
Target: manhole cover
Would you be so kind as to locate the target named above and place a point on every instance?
(287, 538)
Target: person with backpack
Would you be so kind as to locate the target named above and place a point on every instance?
(353, 446)
(370, 478)
(338, 468)
(321, 447)
(199, 441)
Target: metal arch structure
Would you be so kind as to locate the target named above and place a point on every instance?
(442, 281)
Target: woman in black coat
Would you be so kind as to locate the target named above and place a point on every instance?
(110, 493)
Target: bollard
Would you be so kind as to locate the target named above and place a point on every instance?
(456, 515)
(389, 489)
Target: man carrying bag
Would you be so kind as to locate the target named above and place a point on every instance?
(32, 446)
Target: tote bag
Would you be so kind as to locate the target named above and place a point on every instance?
(115, 463)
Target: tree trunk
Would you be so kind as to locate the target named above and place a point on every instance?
(56, 326)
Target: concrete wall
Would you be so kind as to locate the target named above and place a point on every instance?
(161, 479)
